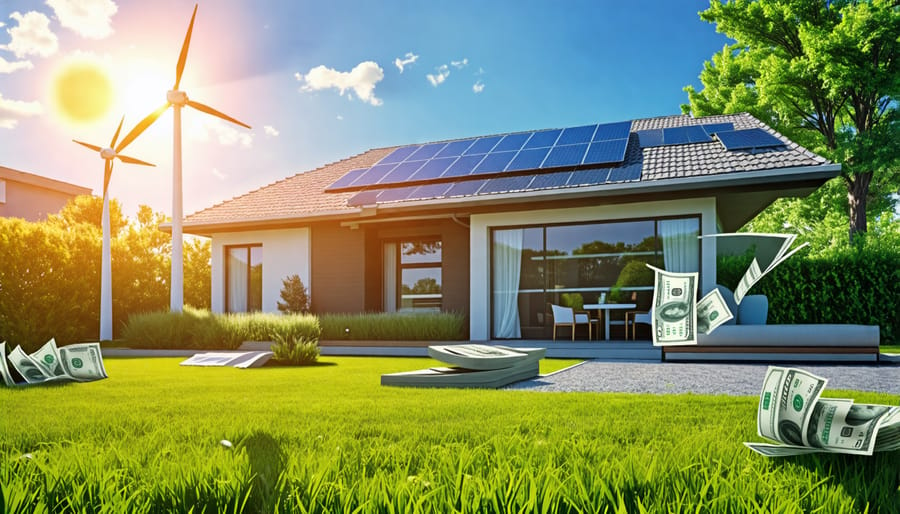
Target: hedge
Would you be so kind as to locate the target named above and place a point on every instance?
(852, 285)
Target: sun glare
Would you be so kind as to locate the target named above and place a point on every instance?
(82, 90)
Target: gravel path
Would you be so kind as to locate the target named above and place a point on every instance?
(679, 377)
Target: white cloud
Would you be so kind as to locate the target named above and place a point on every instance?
(32, 36)
(409, 59)
(89, 18)
(442, 73)
(10, 67)
(460, 64)
(478, 87)
(218, 174)
(361, 79)
(270, 131)
(340, 118)
(12, 110)
(215, 129)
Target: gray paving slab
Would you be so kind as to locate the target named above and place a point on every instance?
(704, 378)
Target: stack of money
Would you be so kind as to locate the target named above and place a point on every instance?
(472, 366)
(791, 411)
(72, 363)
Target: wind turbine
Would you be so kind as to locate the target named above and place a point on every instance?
(108, 154)
(177, 99)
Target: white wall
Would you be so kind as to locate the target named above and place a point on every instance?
(284, 252)
(480, 243)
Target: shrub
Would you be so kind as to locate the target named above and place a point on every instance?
(293, 292)
(443, 326)
(289, 349)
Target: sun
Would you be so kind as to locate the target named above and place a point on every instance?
(82, 90)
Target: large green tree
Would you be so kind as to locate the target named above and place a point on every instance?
(826, 74)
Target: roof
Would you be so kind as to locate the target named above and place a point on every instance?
(303, 197)
(42, 182)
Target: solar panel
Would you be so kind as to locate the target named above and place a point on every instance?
(506, 184)
(402, 172)
(455, 148)
(528, 159)
(569, 155)
(426, 152)
(675, 136)
(373, 175)
(748, 139)
(712, 128)
(463, 166)
(696, 134)
(347, 179)
(363, 198)
(625, 173)
(550, 180)
(394, 194)
(607, 131)
(650, 138)
(400, 154)
(543, 138)
(483, 145)
(466, 188)
(427, 191)
(494, 162)
(603, 152)
(588, 177)
(577, 135)
(512, 142)
(433, 169)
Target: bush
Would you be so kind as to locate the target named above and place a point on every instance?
(294, 351)
(857, 285)
(443, 326)
(293, 292)
(196, 329)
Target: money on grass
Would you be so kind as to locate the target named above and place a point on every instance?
(791, 411)
(77, 362)
(674, 320)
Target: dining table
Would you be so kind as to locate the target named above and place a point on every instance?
(608, 307)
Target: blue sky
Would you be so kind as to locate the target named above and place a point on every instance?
(320, 82)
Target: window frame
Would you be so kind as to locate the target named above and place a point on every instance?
(227, 250)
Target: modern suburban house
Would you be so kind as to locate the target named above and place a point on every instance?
(497, 227)
(33, 197)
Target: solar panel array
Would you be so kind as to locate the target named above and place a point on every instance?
(498, 184)
(748, 139)
(681, 135)
(589, 145)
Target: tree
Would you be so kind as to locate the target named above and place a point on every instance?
(293, 292)
(825, 74)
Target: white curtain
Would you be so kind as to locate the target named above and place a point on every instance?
(237, 280)
(681, 248)
(390, 277)
(507, 269)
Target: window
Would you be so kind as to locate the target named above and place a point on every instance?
(243, 278)
(2, 191)
(412, 268)
(576, 264)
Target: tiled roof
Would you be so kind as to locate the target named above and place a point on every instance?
(303, 196)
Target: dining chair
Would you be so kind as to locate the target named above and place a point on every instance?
(569, 317)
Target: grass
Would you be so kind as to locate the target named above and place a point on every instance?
(886, 348)
(329, 438)
(400, 326)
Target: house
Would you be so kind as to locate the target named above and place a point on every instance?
(33, 197)
(499, 226)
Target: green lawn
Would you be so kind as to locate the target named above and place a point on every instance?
(329, 438)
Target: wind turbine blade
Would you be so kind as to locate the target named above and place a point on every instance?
(132, 160)
(92, 147)
(179, 69)
(115, 138)
(209, 110)
(107, 173)
(141, 127)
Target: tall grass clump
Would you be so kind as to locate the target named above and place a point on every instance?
(202, 330)
(432, 326)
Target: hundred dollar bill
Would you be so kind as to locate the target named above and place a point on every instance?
(781, 450)
(83, 361)
(844, 427)
(26, 367)
(4, 370)
(674, 320)
(712, 311)
(751, 276)
(786, 403)
(47, 358)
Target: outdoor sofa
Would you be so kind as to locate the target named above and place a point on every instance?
(748, 337)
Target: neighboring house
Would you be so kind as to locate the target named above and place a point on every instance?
(497, 227)
(33, 197)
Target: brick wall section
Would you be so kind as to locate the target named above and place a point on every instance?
(338, 269)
